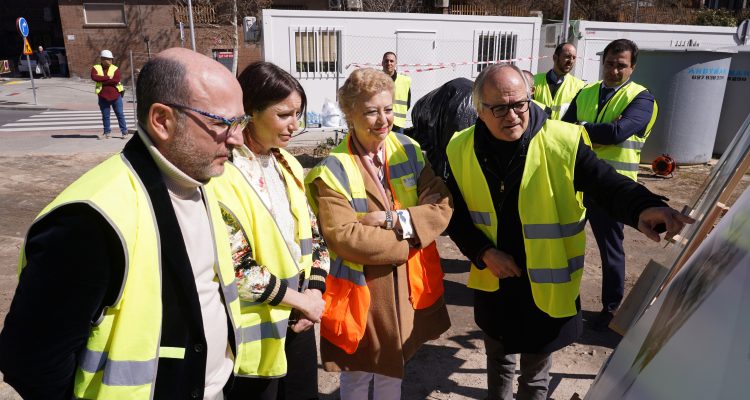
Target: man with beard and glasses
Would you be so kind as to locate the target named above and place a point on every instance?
(557, 88)
(126, 288)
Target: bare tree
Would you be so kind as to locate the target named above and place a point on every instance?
(390, 5)
(607, 10)
(237, 10)
(223, 18)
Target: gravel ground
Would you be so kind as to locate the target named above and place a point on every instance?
(451, 367)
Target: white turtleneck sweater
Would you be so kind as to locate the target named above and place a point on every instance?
(187, 200)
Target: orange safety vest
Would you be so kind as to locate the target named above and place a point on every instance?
(347, 296)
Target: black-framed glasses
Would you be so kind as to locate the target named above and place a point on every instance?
(231, 123)
(501, 110)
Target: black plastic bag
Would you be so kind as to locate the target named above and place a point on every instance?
(437, 116)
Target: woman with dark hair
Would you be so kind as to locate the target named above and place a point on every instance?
(281, 265)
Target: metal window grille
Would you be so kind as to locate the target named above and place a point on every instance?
(316, 51)
(495, 46)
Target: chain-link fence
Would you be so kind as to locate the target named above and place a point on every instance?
(429, 57)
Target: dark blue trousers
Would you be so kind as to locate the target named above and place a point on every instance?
(609, 235)
(116, 105)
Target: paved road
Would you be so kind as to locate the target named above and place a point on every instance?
(50, 132)
(64, 121)
(9, 116)
(56, 141)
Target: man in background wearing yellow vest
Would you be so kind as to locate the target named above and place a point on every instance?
(401, 94)
(109, 89)
(557, 88)
(530, 81)
(126, 288)
(516, 177)
(618, 115)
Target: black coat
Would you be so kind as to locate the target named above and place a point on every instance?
(42, 57)
(509, 314)
(75, 269)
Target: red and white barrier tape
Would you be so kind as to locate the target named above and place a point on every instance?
(432, 67)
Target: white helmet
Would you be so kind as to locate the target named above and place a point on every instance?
(106, 54)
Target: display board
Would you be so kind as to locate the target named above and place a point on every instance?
(694, 341)
(706, 207)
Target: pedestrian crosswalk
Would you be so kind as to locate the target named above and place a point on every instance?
(67, 120)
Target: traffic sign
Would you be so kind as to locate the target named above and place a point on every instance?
(27, 47)
(23, 26)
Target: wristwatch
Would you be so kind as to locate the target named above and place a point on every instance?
(389, 219)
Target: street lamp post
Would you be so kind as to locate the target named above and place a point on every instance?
(566, 22)
(190, 19)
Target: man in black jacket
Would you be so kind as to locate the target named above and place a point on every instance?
(42, 59)
(87, 264)
(512, 145)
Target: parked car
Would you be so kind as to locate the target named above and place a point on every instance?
(58, 62)
(23, 66)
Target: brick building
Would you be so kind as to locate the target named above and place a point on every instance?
(44, 27)
(145, 27)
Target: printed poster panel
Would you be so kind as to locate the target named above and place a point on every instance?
(694, 341)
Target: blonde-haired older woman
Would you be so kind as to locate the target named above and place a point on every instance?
(380, 208)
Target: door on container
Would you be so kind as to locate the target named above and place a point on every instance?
(592, 61)
(417, 47)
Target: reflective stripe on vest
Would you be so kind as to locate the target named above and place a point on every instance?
(551, 213)
(118, 373)
(624, 156)
(401, 99)
(557, 275)
(347, 296)
(340, 270)
(264, 330)
(340, 182)
(553, 231)
(121, 353)
(263, 327)
(564, 95)
(110, 73)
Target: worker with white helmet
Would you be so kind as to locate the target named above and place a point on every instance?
(109, 89)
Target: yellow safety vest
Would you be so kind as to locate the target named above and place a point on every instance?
(552, 214)
(122, 352)
(263, 326)
(624, 156)
(347, 296)
(564, 95)
(401, 99)
(110, 73)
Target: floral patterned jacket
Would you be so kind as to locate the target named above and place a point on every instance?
(255, 282)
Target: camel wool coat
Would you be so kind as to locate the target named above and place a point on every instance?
(394, 330)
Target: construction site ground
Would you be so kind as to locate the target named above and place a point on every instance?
(451, 367)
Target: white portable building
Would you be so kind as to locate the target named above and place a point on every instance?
(321, 48)
(590, 38)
